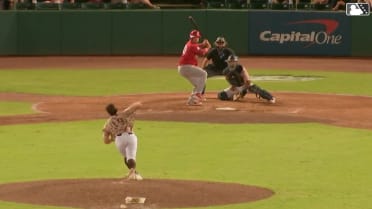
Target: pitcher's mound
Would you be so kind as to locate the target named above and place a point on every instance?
(111, 193)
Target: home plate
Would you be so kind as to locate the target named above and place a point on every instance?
(135, 200)
(226, 108)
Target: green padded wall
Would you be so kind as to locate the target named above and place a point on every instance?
(176, 28)
(8, 33)
(136, 32)
(361, 43)
(233, 25)
(39, 33)
(86, 32)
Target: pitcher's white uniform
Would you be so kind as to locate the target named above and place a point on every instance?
(119, 128)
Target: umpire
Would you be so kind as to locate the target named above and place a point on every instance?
(215, 60)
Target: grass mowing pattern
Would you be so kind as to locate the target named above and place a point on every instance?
(15, 108)
(118, 82)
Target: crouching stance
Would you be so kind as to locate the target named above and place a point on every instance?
(237, 76)
(119, 129)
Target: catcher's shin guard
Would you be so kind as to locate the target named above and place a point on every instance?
(260, 93)
(243, 92)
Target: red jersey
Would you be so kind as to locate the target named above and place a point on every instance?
(189, 53)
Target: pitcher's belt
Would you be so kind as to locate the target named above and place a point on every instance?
(129, 133)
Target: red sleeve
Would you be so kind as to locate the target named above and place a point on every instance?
(189, 54)
(201, 51)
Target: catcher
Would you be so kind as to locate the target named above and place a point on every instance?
(119, 129)
(237, 76)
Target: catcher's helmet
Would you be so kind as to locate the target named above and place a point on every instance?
(232, 58)
(195, 33)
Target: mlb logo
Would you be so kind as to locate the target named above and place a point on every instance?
(357, 9)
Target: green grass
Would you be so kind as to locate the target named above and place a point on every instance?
(91, 82)
(332, 82)
(115, 82)
(15, 108)
(307, 165)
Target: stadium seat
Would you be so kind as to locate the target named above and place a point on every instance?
(24, 6)
(275, 6)
(216, 4)
(118, 5)
(258, 4)
(136, 6)
(67, 5)
(47, 6)
(321, 6)
(237, 4)
(304, 4)
(92, 5)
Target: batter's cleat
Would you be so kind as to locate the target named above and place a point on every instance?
(201, 97)
(272, 101)
(194, 100)
(194, 103)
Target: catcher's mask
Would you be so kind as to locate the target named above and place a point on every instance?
(111, 109)
(220, 41)
(232, 61)
(232, 58)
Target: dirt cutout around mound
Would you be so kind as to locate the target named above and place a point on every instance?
(111, 193)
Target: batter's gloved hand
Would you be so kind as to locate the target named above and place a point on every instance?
(205, 44)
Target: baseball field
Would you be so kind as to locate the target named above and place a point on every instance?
(309, 150)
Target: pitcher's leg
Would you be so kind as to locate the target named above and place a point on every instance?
(131, 153)
(131, 149)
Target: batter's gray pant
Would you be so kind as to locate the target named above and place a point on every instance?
(196, 75)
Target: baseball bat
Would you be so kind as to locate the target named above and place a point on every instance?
(193, 23)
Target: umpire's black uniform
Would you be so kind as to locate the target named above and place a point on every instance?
(218, 57)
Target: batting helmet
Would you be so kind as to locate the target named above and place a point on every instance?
(232, 58)
(195, 33)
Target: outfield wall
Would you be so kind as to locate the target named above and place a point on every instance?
(164, 32)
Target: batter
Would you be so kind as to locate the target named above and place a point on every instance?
(188, 66)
